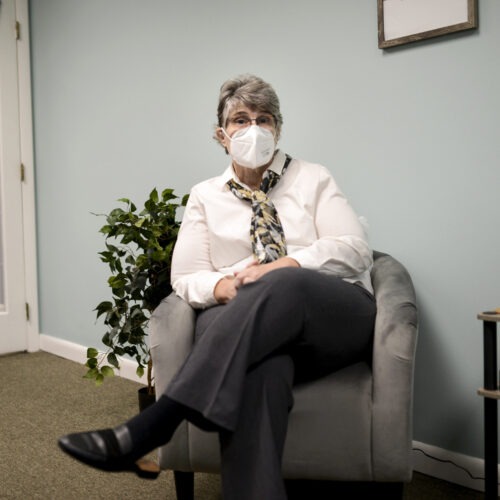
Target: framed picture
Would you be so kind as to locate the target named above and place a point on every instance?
(406, 21)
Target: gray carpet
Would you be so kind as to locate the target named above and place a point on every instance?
(44, 396)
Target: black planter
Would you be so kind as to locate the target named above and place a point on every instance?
(145, 399)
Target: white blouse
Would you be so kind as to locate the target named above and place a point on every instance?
(321, 229)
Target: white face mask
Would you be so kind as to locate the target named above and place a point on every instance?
(252, 147)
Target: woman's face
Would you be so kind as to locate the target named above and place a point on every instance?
(241, 117)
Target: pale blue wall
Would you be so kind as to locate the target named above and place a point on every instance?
(124, 100)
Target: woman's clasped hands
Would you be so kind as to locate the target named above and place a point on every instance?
(227, 288)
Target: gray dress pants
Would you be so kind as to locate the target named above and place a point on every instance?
(291, 325)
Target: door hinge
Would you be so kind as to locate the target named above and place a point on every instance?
(18, 30)
(27, 312)
(23, 173)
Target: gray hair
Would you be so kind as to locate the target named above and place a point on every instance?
(251, 91)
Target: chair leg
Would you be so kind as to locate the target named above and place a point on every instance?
(382, 490)
(394, 491)
(184, 485)
(386, 491)
(298, 489)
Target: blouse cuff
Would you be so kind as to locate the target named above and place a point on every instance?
(198, 290)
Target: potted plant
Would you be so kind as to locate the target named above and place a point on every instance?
(138, 252)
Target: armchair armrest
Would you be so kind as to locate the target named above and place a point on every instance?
(171, 338)
(394, 348)
(171, 330)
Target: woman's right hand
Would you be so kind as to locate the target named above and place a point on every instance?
(225, 290)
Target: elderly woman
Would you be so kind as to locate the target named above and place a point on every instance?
(276, 262)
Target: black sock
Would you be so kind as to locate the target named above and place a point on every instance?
(155, 425)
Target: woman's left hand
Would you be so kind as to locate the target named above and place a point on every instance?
(254, 270)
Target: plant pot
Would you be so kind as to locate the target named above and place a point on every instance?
(145, 399)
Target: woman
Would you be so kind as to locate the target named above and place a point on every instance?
(277, 264)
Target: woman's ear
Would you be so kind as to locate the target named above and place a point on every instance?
(219, 133)
(277, 136)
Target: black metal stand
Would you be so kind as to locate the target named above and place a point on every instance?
(184, 485)
(491, 395)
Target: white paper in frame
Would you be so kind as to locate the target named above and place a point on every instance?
(406, 21)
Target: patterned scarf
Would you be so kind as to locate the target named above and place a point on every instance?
(266, 231)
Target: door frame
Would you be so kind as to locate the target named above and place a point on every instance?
(28, 185)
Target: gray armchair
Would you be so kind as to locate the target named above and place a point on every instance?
(353, 425)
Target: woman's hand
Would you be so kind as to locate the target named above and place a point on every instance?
(225, 290)
(254, 270)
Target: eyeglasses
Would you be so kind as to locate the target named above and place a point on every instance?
(243, 121)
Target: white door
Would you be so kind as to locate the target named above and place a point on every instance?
(13, 323)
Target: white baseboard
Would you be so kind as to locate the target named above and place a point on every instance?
(448, 466)
(78, 353)
(438, 467)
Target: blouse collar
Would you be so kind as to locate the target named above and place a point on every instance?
(276, 165)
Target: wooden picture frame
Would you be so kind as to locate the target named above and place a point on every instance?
(407, 21)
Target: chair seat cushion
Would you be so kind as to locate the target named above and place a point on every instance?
(329, 431)
(315, 449)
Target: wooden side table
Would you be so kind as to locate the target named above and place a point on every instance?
(491, 394)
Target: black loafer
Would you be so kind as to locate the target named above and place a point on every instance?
(109, 450)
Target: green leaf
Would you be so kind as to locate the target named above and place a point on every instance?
(92, 352)
(167, 195)
(91, 374)
(119, 351)
(112, 248)
(113, 360)
(116, 282)
(115, 214)
(99, 379)
(141, 260)
(106, 339)
(153, 196)
(102, 308)
(107, 371)
(140, 371)
(91, 363)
